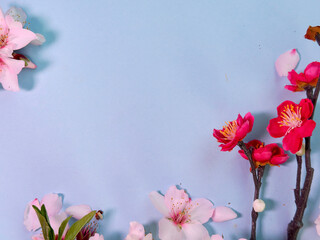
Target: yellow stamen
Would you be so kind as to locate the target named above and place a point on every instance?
(229, 130)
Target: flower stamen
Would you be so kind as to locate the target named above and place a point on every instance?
(291, 117)
(229, 130)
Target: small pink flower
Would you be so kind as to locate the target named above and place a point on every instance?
(12, 35)
(183, 218)
(137, 232)
(234, 132)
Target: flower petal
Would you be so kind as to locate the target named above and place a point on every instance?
(195, 232)
(158, 201)
(56, 220)
(286, 62)
(31, 221)
(274, 128)
(306, 108)
(222, 214)
(37, 237)
(169, 231)
(18, 15)
(307, 128)
(176, 199)
(292, 141)
(312, 71)
(39, 40)
(78, 211)
(200, 210)
(53, 203)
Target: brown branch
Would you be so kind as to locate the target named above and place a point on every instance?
(298, 182)
(257, 175)
(296, 224)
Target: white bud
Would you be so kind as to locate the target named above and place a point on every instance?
(302, 151)
(258, 205)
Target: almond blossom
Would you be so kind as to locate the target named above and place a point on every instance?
(137, 232)
(234, 131)
(293, 123)
(12, 35)
(183, 217)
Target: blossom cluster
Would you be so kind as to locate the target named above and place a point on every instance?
(13, 36)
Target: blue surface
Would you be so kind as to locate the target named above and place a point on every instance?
(125, 99)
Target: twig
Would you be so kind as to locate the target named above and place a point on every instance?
(257, 175)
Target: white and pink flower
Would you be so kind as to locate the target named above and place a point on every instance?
(183, 218)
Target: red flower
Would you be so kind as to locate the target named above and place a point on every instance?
(234, 132)
(292, 123)
(302, 80)
(262, 154)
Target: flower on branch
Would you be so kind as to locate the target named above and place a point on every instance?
(308, 78)
(234, 131)
(183, 217)
(262, 154)
(292, 123)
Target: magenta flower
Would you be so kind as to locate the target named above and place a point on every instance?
(234, 132)
(262, 154)
(12, 35)
(183, 218)
(293, 123)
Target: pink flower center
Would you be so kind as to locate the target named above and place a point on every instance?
(180, 212)
(291, 117)
(229, 130)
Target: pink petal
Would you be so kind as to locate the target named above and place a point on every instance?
(148, 237)
(158, 202)
(136, 231)
(216, 237)
(200, 210)
(78, 211)
(39, 40)
(169, 231)
(222, 214)
(286, 62)
(96, 237)
(195, 232)
(31, 221)
(56, 221)
(53, 203)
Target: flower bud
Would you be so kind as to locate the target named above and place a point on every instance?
(302, 151)
(258, 205)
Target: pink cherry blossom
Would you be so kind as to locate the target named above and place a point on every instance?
(222, 214)
(12, 35)
(183, 218)
(53, 204)
(137, 232)
(287, 62)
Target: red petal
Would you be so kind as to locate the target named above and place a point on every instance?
(274, 128)
(248, 117)
(312, 71)
(282, 106)
(262, 155)
(242, 131)
(292, 141)
(293, 88)
(307, 128)
(306, 108)
(241, 152)
(279, 159)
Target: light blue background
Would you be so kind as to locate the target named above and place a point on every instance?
(125, 99)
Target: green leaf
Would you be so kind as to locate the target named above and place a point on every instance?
(78, 225)
(47, 230)
(63, 226)
(44, 213)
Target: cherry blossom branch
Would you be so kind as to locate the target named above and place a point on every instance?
(296, 224)
(257, 174)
